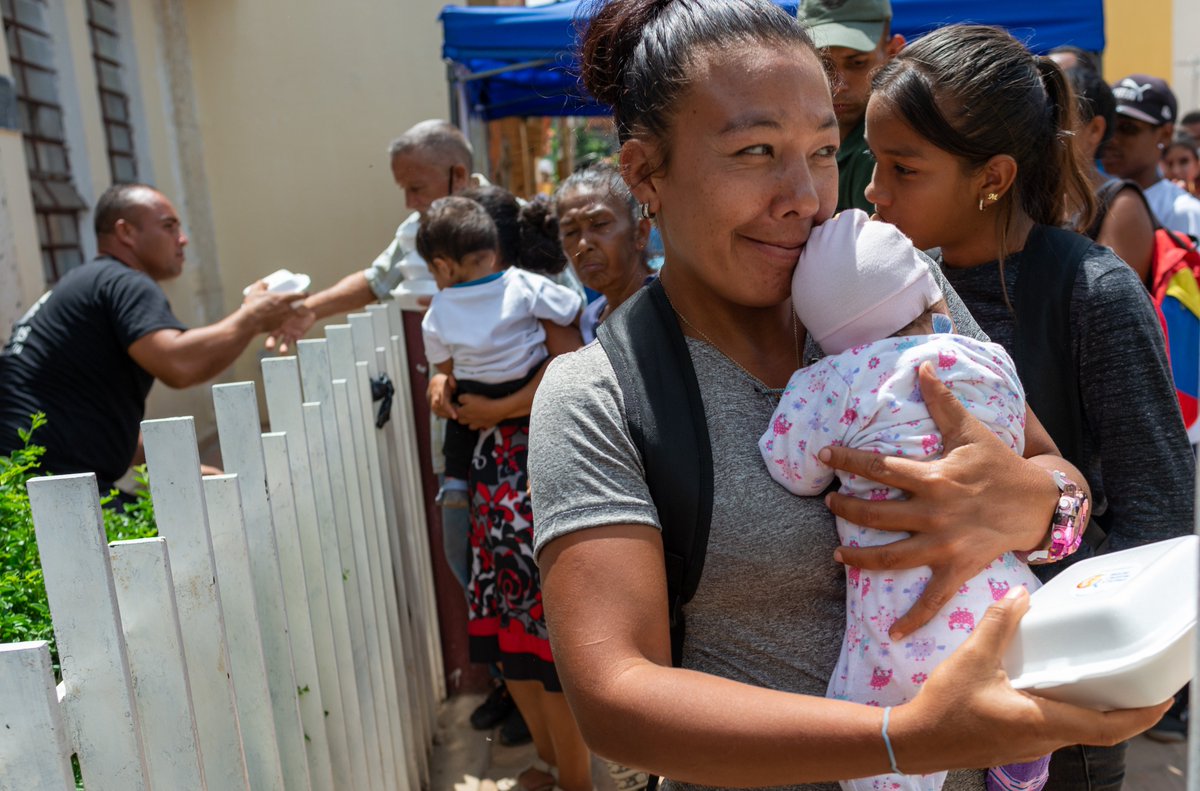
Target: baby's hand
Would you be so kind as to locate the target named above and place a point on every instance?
(440, 393)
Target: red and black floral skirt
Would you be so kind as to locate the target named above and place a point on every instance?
(506, 623)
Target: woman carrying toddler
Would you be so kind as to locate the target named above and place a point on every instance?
(484, 327)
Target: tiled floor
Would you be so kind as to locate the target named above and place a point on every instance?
(469, 760)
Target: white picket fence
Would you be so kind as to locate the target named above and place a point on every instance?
(280, 633)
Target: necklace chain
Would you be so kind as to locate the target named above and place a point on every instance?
(710, 342)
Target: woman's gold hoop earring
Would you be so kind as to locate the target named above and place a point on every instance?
(644, 211)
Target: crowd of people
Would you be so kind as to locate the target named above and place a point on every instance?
(636, 492)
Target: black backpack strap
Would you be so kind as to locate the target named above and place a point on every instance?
(666, 419)
(1042, 334)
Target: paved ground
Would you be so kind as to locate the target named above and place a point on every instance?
(1152, 766)
(469, 760)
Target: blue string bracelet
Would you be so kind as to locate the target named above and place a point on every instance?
(887, 715)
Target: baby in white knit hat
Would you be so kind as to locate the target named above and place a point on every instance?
(869, 299)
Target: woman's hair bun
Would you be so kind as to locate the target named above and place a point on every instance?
(637, 55)
(609, 41)
(541, 250)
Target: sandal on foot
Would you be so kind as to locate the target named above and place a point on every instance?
(538, 765)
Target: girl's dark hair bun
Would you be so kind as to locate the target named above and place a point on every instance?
(541, 251)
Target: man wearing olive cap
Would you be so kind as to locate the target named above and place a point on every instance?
(856, 36)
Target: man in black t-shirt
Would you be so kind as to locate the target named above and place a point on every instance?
(87, 352)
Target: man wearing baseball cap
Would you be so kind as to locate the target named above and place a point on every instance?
(1146, 111)
(857, 38)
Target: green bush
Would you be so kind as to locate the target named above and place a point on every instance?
(24, 612)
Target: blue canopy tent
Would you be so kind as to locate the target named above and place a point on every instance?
(520, 61)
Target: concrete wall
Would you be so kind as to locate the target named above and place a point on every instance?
(265, 122)
(1157, 37)
(1139, 37)
(1186, 55)
(297, 101)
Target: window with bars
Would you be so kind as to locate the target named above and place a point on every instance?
(56, 202)
(114, 101)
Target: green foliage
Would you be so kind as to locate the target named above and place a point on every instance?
(594, 143)
(24, 614)
(24, 611)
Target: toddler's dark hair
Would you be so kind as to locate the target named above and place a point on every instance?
(454, 228)
(528, 236)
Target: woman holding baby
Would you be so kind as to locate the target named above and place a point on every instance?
(729, 141)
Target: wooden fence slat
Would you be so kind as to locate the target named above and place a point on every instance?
(406, 648)
(409, 538)
(405, 716)
(35, 750)
(415, 543)
(412, 565)
(181, 515)
(351, 643)
(382, 573)
(411, 531)
(327, 600)
(295, 589)
(238, 428)
(247, 666)
(419, 536)
(374, 618)
(101, 714)
(412, 673)
(318, 389)
(345, 366)
(150, 621)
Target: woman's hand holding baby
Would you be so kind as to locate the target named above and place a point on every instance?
(964, 510)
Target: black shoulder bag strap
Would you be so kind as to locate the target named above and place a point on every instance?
(667, 423)
(1042, 333)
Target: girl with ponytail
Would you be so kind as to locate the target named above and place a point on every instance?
(975, 157)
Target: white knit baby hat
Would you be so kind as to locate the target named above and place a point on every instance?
(859, 281)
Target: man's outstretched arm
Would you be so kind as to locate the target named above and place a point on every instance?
(182, 358)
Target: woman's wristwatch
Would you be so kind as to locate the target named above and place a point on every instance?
(1067, 527)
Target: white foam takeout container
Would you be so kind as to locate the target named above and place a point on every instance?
(1112, 632)
(283, 281)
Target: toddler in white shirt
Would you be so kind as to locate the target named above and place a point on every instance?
(483, 327)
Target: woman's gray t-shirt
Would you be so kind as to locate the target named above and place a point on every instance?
(770, 607)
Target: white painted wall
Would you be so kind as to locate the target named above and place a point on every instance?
(266, 123)
(1185, 39)
(297, 102)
